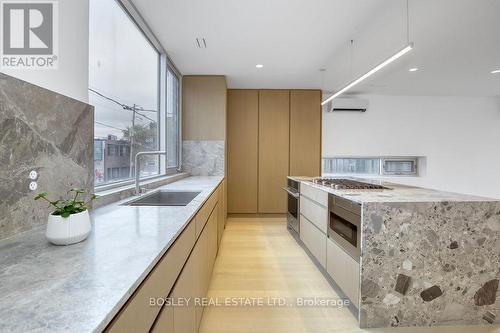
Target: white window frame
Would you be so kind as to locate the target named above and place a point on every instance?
(171, 67)
(384, 172)
(164, 63)
(381, 164)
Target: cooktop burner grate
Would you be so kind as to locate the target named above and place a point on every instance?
(347, 184)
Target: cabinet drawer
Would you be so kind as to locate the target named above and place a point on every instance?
(137, 315)
(315, 213)
(344, 270)
(205, 211)
(315, 194)
(313, 239)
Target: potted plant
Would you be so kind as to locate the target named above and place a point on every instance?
(69, 223)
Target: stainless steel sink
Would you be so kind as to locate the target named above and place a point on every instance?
(164, 198)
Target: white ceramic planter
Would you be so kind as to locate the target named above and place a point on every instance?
(70, 230)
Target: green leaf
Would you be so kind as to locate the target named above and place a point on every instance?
(40, 195)
(77, 190)
(65, 214)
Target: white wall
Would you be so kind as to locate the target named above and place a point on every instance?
(71, 77)
(459, 136)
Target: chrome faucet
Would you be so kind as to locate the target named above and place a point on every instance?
(138, 167)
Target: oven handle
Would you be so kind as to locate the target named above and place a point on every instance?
(293, 194)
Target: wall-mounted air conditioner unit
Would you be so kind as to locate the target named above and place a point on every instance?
(348, 104)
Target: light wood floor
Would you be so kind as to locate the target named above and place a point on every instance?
(259, 258)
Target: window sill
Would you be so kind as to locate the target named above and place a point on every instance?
(106, 196)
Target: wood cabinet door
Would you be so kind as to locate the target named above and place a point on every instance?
(165, 321)
(200, 272)
(305, 133)
(204, 100)
(184, 316)
(274, 110)
(212, 239)
(242, 150)
(220, 215)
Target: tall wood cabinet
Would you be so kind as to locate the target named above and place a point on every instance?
(270, 134)
(305, 133)
(242, 150)
(274, 116)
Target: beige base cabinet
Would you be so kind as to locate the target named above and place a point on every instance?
(183, 272)
(344, 270)
(221, 219)
(165, 321)
(314, 239)
(193, 282)
(184, 316)
(179, 318)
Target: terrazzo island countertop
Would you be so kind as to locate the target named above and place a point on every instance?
(394, 193)
(80, 288)
(427, 257)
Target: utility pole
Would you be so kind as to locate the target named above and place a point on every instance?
(135, 112)
(131, 136)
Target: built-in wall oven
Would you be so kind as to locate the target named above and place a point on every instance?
(344, 226)
(293, 194)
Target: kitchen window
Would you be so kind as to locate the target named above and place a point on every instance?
(365, 166)
(126, 70)
(371, 166)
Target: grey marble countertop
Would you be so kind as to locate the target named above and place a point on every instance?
(80, 288)
(395, 193)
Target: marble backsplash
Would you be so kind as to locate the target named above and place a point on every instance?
(203, 157)
(43, 131)
(433, 263)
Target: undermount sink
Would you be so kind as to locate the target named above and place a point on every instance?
(164, 198)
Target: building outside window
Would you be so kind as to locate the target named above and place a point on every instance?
(124, 88)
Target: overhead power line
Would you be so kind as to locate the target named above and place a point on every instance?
(133, 108)
(106, 125)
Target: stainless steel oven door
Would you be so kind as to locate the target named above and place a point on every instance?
(344, 228)
(293, 210)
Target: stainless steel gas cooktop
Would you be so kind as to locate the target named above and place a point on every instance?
(347, 184)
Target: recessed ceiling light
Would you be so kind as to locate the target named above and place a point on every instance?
(259, 65)
(496, 71)
(414, 69)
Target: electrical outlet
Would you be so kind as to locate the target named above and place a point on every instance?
(33, 175)
(33, 186)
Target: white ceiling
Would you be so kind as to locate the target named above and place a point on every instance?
(457, 43)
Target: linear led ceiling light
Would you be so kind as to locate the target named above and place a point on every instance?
(400, 53)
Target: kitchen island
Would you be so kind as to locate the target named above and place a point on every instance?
(426, 257)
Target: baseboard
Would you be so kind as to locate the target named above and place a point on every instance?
(256, 215)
